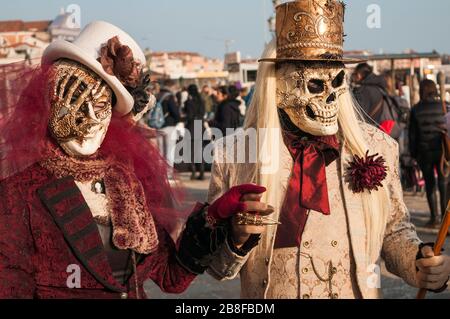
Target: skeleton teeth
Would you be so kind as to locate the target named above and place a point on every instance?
(329, 119)
(325, 115)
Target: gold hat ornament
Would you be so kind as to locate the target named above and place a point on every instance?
(310, 30)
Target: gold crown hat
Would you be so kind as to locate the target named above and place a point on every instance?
(310, 30)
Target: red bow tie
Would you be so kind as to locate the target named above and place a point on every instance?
(307, 189)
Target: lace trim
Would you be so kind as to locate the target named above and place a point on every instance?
(82, 170)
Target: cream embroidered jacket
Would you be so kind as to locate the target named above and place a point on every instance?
(400, 244)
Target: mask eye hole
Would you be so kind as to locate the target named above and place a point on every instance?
(338, 80)
(79, 90)
(316, 86)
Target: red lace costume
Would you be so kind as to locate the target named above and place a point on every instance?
(51, 245)
(45, 224)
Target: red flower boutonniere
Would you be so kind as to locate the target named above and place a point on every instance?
(367, 173)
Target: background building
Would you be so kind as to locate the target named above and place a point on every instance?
(242, 71)
(27, 40)
(187, 67)
(406, 69)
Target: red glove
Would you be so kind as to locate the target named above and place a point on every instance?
(230, 204)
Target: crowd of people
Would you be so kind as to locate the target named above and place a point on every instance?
(420, 130)
(180, 108)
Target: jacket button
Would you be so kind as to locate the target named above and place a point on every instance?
(265, 282)
(267, 261)
(229, 273)
(334, 270)
(334, 296)
(334, 243)
(305, 271)
(306, 244)
(306, 296)
(124, 295)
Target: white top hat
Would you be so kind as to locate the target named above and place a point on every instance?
(86, 50)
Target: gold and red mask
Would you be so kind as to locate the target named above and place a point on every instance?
(81, 108)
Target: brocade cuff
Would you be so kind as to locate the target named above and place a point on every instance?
(199, 241)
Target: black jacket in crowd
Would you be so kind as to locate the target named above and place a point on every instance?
(227, 116)
(170, 107)
(195, 111)
(426, 127)
(369, 95)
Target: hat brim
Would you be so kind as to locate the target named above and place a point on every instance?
(66, 50)
(343, 60)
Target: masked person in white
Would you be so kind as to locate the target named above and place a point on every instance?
(332, 180)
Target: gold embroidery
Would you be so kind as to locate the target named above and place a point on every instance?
(80, 99)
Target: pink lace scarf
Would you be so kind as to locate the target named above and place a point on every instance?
(133, 224)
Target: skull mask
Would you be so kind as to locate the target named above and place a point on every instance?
(309, 95)
(81, 108)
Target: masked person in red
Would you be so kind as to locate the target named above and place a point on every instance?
(86, 207)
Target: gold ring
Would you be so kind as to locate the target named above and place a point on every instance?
(245, 219)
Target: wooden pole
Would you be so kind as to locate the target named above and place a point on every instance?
(441, 82)
(393, 73)
(442, 236)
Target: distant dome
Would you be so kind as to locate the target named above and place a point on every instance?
(64, 27)
(64, 21)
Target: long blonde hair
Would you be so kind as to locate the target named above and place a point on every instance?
(263, 114)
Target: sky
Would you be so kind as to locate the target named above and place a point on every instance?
(204, 25)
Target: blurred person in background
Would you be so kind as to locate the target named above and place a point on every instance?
(244, 92)
(208, 99)
(425, 142)
(368, 91)
(154, 89)
(182, 97)
(248, 98)
(172, 116)
(390, 84)
(400, 110)
(379, 101)
(243, 107)
(195, 113)
(228, 115)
